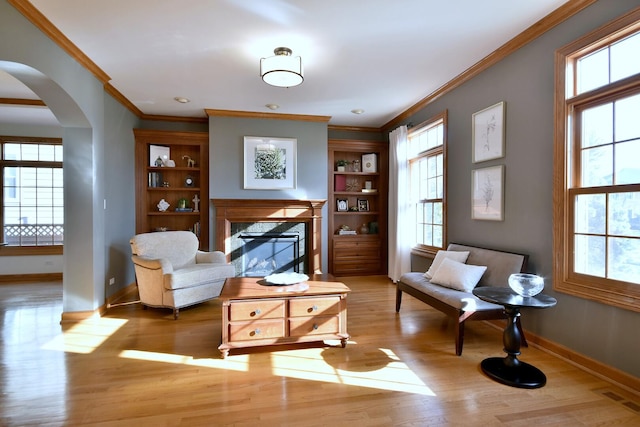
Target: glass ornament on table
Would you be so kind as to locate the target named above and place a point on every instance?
(525, 284)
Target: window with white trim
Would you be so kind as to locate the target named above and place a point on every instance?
(32, 197)
(427, 180)
(597, 223)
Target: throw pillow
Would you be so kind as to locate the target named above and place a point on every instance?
(460, 256)
(459, 276)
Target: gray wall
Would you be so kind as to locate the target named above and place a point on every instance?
(226, 172)
(97, 140)
(525, 81)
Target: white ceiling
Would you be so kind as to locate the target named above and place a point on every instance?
(378, 55)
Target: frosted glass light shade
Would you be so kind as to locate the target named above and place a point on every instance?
(282, 70)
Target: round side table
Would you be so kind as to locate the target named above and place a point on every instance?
(509, 370)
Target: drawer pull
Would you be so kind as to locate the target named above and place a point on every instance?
(315, 326)
(256, 312)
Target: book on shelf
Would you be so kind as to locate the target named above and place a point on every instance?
(347, 232)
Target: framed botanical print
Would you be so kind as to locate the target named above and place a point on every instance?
(488, 133)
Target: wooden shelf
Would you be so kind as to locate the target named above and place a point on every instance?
(362, 253)
(148, 218)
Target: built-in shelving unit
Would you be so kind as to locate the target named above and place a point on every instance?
(358, 207)
(183, 183)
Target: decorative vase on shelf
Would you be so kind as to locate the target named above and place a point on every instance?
(364, 229)
(526, 285)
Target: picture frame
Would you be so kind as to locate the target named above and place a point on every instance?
(487, 193)
(488, 133)
(363, 205)
(342, 205)
(161, 151)
(370, 163)
(269, 163)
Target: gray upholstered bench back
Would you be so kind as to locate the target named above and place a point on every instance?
(500, 265)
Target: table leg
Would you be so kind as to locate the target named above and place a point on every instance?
(509, 370)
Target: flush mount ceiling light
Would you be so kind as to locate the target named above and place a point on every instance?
(181, 99)
(357, 111)
(282, 69)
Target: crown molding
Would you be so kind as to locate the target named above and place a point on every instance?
(275, 116)
(545, 24)
(47, 27)
(20, 101)
(355, 128)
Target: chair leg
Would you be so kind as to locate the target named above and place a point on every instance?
(459, 338)
(176, 313)
(398, 299)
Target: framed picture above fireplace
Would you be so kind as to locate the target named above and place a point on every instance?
(269, 163)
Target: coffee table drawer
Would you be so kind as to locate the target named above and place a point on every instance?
(317, 325)
(258, 330)
(314, 306)
(256, 309)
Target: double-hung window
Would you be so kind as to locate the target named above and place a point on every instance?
(427, 172)
(32, 211)
(597, 166)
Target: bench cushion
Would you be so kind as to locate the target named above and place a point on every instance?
(464, 301)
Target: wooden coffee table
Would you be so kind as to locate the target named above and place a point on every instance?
(254, 314)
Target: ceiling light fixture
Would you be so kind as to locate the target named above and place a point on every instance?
(357, 111)
(182, 100)
(272, 106)
(282, 69)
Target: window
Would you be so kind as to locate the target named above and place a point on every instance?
(32, 195)
(597, 193)
(427, 180)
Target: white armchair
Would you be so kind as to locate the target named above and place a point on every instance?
(171, 272)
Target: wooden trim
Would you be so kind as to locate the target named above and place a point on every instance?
(354, 129)
(594, 367)
(553, 19)
(21, 101)
(31, 250)
(202, 120)
(39, 20)
(115, 93)
(605, 291)
(276, 116)
(272, 210)
(31, 277)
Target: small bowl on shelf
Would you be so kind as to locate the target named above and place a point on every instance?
(525, 284)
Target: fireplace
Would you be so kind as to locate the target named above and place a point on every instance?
(258, 222)
(268, 253)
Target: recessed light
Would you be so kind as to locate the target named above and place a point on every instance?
(272, 106)
(357, 111)
(182, 100)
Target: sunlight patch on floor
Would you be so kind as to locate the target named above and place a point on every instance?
(85, 336)
(238, 363)
(393, 375)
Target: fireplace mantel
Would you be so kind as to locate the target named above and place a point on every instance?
(229, 211)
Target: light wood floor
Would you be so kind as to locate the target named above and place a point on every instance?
(138, 367)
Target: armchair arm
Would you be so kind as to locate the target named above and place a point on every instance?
(214, 257)
(153, 264)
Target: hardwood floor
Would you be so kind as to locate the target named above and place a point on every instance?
(140, 367)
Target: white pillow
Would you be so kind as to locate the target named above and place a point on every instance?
(460, 256)
(459, 276)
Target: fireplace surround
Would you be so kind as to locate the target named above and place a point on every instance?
(309, 212)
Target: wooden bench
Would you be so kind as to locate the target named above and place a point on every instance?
(460, 305)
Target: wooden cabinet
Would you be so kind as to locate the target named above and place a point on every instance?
(184, 186)
(257, 315)
(358, 202)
